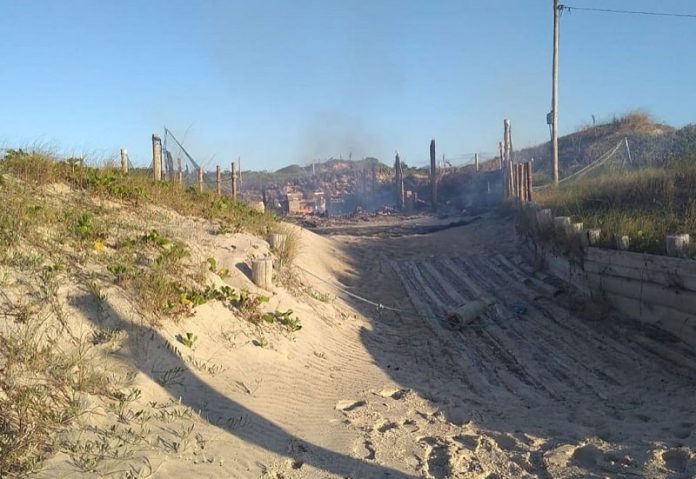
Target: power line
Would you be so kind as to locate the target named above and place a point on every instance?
(628, 12)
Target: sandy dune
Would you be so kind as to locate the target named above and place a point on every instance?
(543, 385)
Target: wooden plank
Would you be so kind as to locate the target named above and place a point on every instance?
(454, 295)
(527, 278)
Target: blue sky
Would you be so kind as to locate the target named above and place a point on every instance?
(280, 82)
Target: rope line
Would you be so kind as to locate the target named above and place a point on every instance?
(586, 169)
(593, 165)
(379, 306)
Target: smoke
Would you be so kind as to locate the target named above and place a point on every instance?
(331, 134)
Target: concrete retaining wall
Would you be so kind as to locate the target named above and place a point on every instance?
(653, 289)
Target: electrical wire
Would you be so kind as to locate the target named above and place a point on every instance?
(569, 8)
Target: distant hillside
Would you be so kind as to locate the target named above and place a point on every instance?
(649, 143)
(292, 170)
(332, 166)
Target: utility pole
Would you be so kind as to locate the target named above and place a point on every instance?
(554, 91)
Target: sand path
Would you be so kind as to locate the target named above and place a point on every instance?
(543, 385)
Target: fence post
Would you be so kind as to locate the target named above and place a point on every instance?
(500, 147)
(622, 242)
(509, 143)
(544, 219)
(262, 273)
(506, 139)
(218, 181)
(157, 157)
(678, 245)
(590, 237)
(561, 224)
(124, 161)
(476, 160)
(530, 186)
(277, 241)
(234, 181)
(576, 228)
(518, 181)
(179, 173)
(200, 179)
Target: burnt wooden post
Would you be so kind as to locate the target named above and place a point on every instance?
(170, 166)
(433, 176)
(200, 179)
(525, 179)
(157, 157)
(234, 181)
(262, 273)
(530, 186)
(124, 161)
(399, 178)
(506, 140)
(509, 143)
(523, 182)
(523, 186)
(218, 181)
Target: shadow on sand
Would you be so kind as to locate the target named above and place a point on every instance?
(212, 403)
(553, 373)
